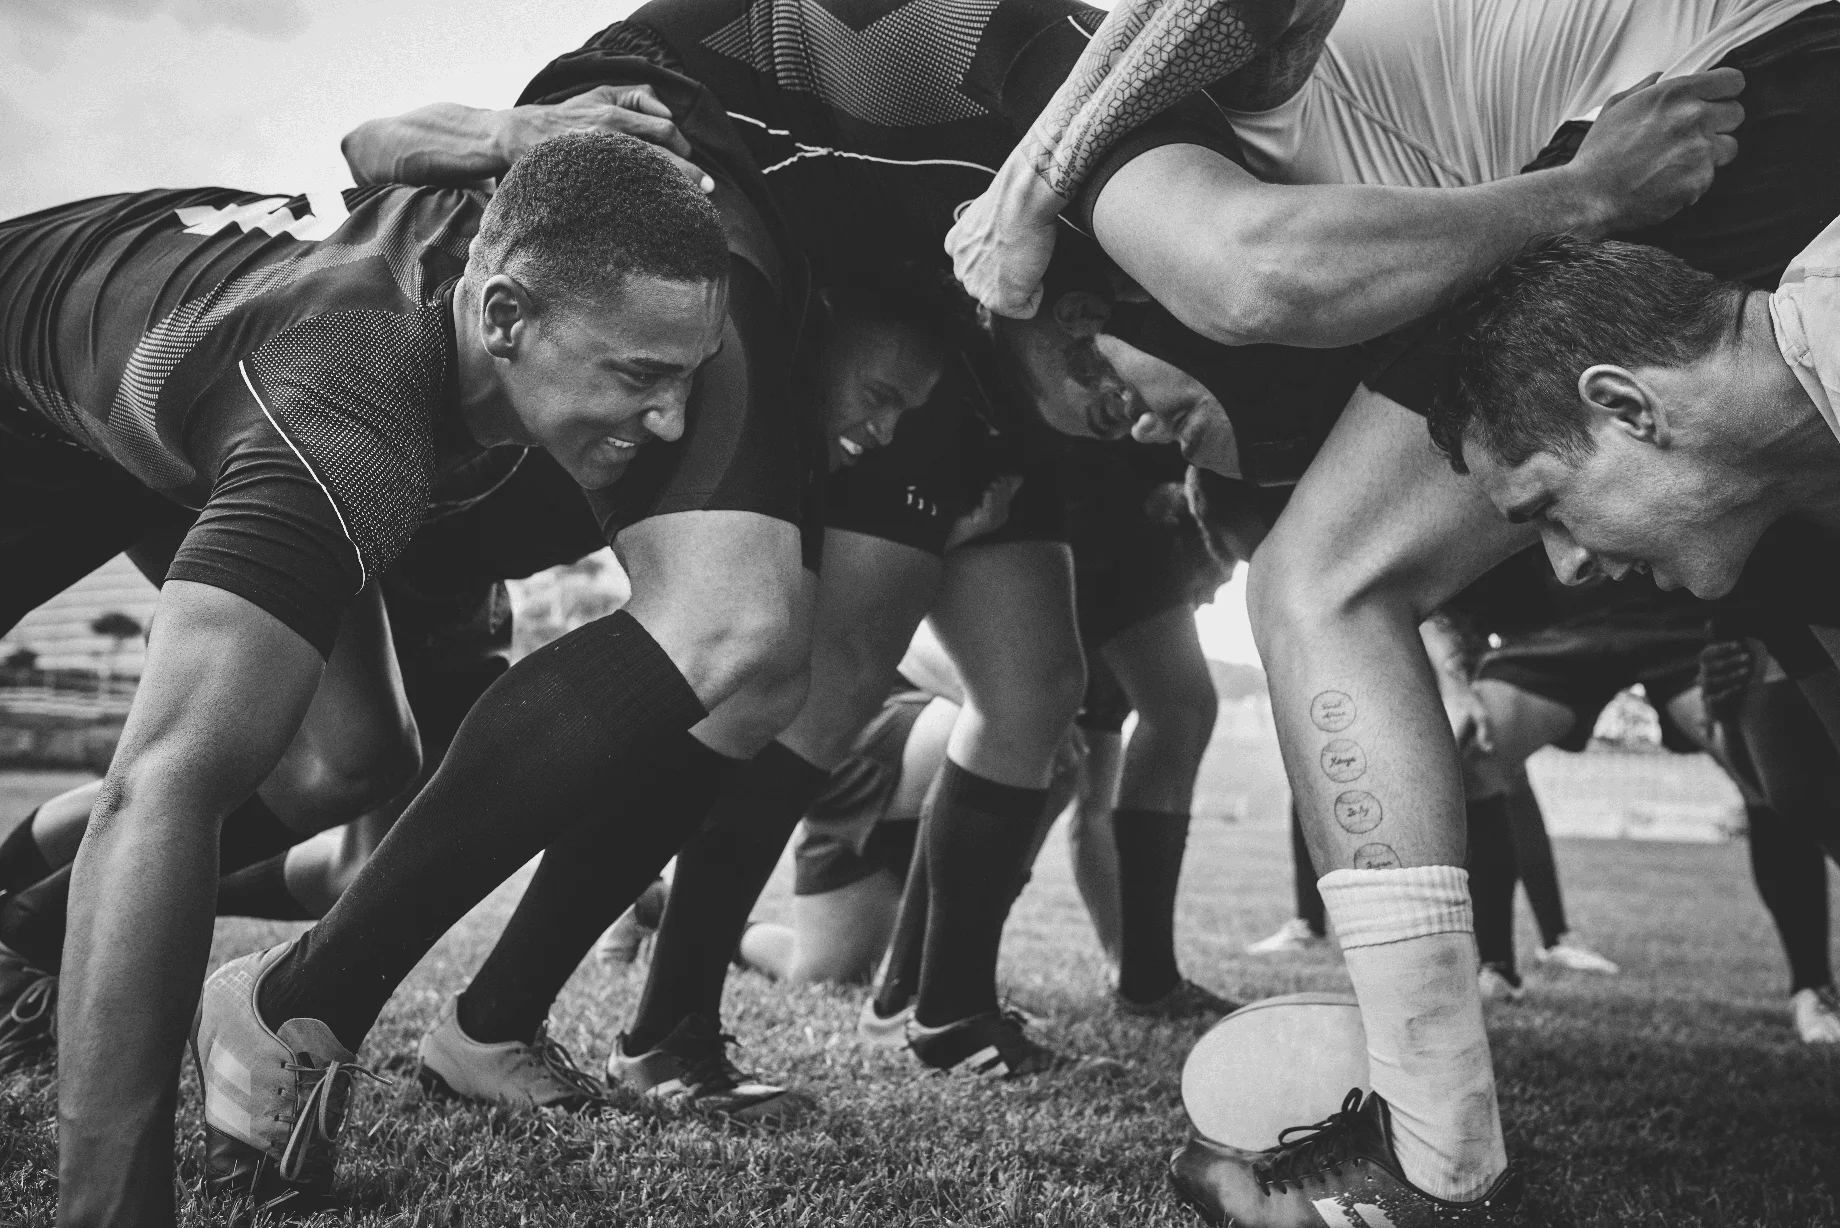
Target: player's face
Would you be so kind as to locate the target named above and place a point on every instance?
(591, 385)
(1077, 389)
(1631, 507)
(873, 372)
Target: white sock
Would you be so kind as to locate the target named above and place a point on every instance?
(1408, 936)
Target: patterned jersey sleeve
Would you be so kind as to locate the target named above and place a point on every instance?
(322, 446)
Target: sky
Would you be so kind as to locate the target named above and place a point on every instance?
(119, 95)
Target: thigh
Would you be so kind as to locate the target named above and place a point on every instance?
(872, 593)
(718, 591)
(843, 932)
(1159, 663)
(1005, 614)
(63, 513)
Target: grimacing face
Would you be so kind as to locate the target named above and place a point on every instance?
(590, 385)
(873, 371)
(1076, 388)
(1631, 506)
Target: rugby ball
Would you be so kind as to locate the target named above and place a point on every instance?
(1281, 1062)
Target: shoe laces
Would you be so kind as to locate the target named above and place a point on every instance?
(711, 1070)
(320, 1116)
(1318, 1148)
(30, 1021)
(560, 1063)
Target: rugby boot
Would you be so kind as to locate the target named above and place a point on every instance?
(1186, 1000)
(690, 1069)
(28, 1010)
(997, 1045)
(1341, 1172)
(519, 1076)
(883, 1031)
(274, 1099)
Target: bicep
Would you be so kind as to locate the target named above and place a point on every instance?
(1171, 218)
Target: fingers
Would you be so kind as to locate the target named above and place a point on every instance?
(1719, 83)
(644, 98)
(1643, 84)
(1151, 429)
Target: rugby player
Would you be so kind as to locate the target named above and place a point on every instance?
(1377, 537)
(316, 375)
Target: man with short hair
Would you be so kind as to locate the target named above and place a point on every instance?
(316, 375)
(1648, 417)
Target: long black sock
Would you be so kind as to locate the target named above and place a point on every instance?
(542, 750)
(977, 844)
(32, 921)
(1534, 856)
(1304, 876)
(720, 874)
(1792, 879)
(584, 882)
(1491, 881)
(21, 862)
(261, 890)
(1150, 847)
(901, 975)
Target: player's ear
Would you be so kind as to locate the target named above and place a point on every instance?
(505, 313)
(1081, 313)
(1615, 396)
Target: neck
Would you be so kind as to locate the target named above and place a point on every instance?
(1790, 442)
(483, 405)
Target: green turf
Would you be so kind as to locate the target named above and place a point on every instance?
(1672, 1096)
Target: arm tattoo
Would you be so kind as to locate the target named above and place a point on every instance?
(1276, 76)
(1376, 857)
(1343, 760)
(1147, 56)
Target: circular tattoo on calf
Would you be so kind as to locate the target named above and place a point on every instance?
(1332, 711)
(1343, 761)
(1376, 857)
(1358, 811)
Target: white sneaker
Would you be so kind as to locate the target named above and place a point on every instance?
(883, 1033)
(1817, 1015)
(522, 1077)
(1571, 954)
(1293, 935)
(1497, 986)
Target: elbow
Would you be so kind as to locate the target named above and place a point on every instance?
(1262, 293)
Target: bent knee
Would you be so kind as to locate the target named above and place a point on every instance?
(334, 790)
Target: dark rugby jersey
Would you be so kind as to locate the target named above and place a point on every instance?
(873, 121)
(214, 344)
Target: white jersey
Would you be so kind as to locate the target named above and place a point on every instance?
(1448, 93)
(1805, 310)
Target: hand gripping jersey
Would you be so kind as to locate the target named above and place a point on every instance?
(284, 364)
(1449, 93)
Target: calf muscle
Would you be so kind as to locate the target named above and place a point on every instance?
(1379, 534)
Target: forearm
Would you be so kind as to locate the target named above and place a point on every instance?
(444, 144)
(1147, 56)
(1243, 262)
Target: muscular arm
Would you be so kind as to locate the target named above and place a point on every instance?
(449, 145)
(1147, 56)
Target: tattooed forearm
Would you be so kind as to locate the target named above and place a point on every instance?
(1277, 75)
(1376, 857)
(1147, 56)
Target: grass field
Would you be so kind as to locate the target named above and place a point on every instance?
(1674, 1096)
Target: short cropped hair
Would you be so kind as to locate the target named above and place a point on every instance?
(578, 214)
(1560, 306)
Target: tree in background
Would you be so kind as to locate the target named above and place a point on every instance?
(120, 628)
